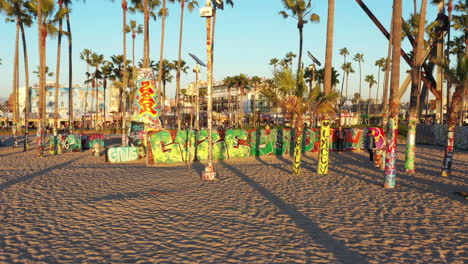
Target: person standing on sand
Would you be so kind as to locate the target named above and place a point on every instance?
(340, 136)
(370, 144)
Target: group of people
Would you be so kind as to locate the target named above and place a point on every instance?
(340, 135)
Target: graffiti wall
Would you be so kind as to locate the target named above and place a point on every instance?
(123, 154)
(437, 135)
(95, 139)
(64, 143)
(169, 146)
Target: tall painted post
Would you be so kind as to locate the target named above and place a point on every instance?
(197, 111)
(322, 167)
(209, 173)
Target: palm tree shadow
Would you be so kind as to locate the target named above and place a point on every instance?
(337, 247)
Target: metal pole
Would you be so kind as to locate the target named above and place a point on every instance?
(197, 115)
(209, 173)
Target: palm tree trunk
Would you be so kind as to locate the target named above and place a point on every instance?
(146, 49)
(454, 109)
(15, 87)
(124, 25)
(415, 89)
(161, 58)
(27, 90)
(301, 40)
(70, 74)
(387, 78)
(390, 168)
(57, 71)
(327, 82)
(182, 9)
(41, 83)
(369, 105)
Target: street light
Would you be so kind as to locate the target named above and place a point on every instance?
(196, 70)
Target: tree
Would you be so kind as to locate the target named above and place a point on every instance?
(96, 61)
(320, 76)
(135, 29)
(274, 62)
(415, 92)
(18, 11)
(390, 168)
(343, 52)
(62, 13)
(190, 6)
(359, 57)
(295, 99)
(229, 82)
(46, 72)
(255, 81)
(302, 12)
(86, 56)
(371, 80)
(164, 70)
(107, 73)
(347, 69)
(380, 63)
(241, 81)
(327, 86)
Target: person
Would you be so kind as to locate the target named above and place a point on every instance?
(370, 144)
(340, 136)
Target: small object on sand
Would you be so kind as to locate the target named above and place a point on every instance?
(464, 194)
(209, 174)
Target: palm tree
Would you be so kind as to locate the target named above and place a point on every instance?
(62, 13)
(107, 73)
(96, 61)
(459, 77)
(295, 99)
(347, 69)
(135, 29)
(415, 91)
(390, 169)
(18, 11)
(274, 62)
(371, 80)
(343, 52)
(327, 86)
(229, 82)
(302, 12)
(255, 81)
(380, 63)
(241, 81)
(164, 70)
(190, 6)
(47, 73)
(359, 57)
(86, 56)
(163, 12)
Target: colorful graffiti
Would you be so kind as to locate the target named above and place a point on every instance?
(95, 139)
(448, 153)
(137, 134)
(322, 167)
(170, 146)
(123, 154)
(297, 154)
(411, 147)
(64, 143)
(146, 100)
(390, 161)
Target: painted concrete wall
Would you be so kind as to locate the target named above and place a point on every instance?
(169, 146)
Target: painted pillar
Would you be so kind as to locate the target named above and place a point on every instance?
(390, 160)
(447, 166)
(298, 147)
(322, 167)
(411, 147)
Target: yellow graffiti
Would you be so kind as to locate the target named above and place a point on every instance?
(147, 102)
(322, 167)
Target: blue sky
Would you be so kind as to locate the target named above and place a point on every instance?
(247, 37)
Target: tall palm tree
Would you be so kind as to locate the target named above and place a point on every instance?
(96, 61)
(359, 57)
(274, 62)
(371, 81)
(107, 73)
(135, 29)
(380, 63)
(390, 167)
(302, 12)
(190, 6)
(327, 86)
(86, 56)
(164, 70)
(347, 69)
(17, 10)
(163, 13)
(415, 91)
(343, 52)
(229, 82)
(62, 12)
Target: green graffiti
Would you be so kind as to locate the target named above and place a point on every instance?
(262, 143)
(411, 147)
(297, 155)
(237, 143)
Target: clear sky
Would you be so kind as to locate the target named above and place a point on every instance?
(247, 37)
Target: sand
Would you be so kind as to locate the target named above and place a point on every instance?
(75, 208)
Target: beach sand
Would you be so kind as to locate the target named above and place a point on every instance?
(75, 208)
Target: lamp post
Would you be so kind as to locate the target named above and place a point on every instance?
(209, 173)
(197, 97)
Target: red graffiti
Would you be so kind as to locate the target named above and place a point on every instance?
(147, 102)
